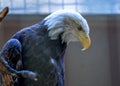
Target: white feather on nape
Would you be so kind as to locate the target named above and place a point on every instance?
(61, 20)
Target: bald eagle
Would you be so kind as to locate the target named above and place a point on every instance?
(37, 51)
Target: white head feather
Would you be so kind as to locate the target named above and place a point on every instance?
(64, 21)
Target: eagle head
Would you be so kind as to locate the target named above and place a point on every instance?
(70, 25)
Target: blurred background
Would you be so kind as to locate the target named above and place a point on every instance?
(97, 66)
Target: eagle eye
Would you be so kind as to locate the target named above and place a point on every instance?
(80, 28)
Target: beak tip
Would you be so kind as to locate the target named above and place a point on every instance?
(86, 46)
(83, 49)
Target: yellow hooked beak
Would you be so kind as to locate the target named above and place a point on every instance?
(84, 39)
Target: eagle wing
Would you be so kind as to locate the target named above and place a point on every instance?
(11, 52)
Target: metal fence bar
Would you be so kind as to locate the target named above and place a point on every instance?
(49, 5)
(62, 4)
(25, 3)
(37, 6)
(76, 5)
(11, 3)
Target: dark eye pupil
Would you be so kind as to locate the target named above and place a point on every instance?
(79, 28)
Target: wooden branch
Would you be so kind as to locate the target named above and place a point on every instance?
(3, 13)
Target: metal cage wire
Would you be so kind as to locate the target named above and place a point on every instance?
(48, 6)
(38, 6)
